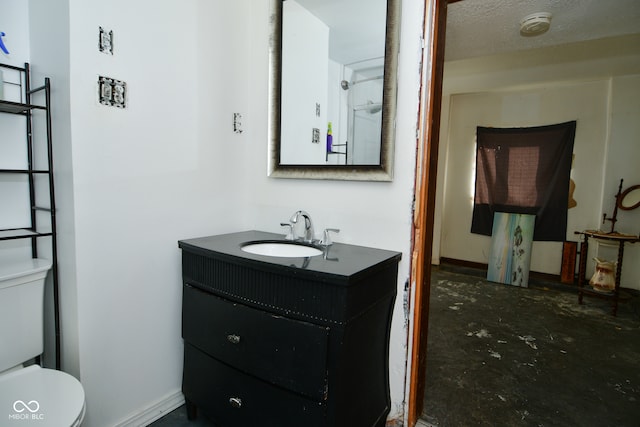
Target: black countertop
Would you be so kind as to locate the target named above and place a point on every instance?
(339, 261)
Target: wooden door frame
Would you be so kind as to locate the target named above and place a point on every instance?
(435, 22)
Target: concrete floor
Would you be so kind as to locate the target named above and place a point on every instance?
(505, 356)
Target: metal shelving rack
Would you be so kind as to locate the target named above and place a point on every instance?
(343, 153)
(35, 231)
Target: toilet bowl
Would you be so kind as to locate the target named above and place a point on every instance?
(31, 395)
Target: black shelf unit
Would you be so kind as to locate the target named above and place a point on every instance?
(36, 230)
(343, 153)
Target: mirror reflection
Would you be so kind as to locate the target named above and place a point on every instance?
(630, 198)
(332, 88)
(332, 75)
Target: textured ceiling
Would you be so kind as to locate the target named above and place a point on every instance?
(488, 27)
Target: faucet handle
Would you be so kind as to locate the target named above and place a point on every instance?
(289, 235)
(326, 237)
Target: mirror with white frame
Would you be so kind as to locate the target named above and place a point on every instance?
(332, 89)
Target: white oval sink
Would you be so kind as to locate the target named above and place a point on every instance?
(281, 249)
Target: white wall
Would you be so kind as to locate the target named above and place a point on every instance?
(595, 87)
(161, 170)
(131, 168)
(14, 22)
(132, 182)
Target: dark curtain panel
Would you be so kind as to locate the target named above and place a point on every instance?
(524, 170)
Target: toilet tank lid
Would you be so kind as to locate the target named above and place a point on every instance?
(12, 269)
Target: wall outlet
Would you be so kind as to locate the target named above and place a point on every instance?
(315, 136)
(237, 122)
(112, 92)
(105, 41)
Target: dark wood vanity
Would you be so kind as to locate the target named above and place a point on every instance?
(274, 341)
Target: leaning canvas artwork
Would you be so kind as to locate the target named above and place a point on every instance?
(510, 254)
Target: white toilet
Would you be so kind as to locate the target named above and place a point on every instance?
(31, 395)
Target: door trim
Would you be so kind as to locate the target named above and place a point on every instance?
(435, 20)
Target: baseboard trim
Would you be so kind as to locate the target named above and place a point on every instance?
(482, 266)
(154, 411)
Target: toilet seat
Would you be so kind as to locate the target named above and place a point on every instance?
(40, 396)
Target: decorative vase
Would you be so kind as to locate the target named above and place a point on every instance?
(604, 278)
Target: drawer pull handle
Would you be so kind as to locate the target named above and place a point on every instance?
(236, 402)
(233, 339)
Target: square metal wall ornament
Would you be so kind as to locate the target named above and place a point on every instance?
(105, 41)
(112, 92)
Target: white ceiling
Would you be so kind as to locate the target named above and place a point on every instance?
(488, 27)
(354, 34)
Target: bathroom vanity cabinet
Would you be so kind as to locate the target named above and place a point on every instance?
(273, 341)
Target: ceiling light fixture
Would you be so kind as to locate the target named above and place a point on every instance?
(535, 24)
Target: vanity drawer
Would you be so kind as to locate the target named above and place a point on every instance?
(231, 398)
(285, 352)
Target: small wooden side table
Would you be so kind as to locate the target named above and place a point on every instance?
(616, 237)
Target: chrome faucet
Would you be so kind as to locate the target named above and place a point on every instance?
(308, 234)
